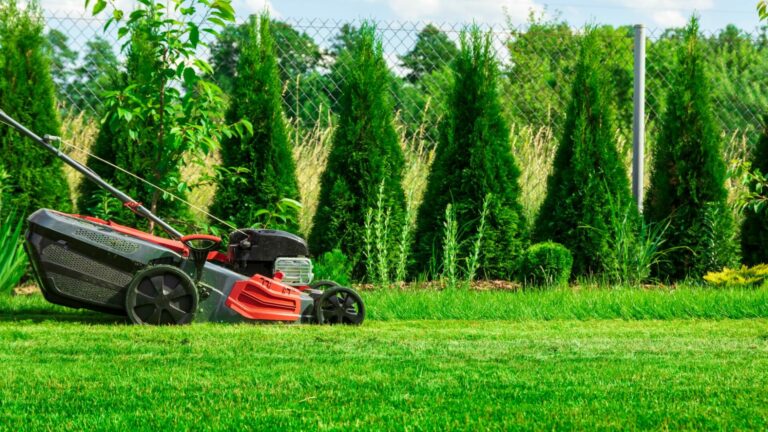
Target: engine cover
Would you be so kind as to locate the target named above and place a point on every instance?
(256, 251)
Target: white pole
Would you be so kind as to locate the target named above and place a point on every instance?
(638, 129)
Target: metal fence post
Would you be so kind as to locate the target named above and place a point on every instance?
(638, 126)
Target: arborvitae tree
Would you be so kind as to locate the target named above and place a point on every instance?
(589, 185)
(35, 178)
(474, 159)
(688, 178)
(123, 148)
(264, 157)
(365, 154)
(754, 230)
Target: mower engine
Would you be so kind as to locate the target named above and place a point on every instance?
(270, 252)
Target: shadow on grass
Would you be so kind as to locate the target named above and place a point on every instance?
(36, 309)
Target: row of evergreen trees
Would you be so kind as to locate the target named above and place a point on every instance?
(587, 189)
(588, 206)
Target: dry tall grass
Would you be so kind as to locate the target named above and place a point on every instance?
(534, 150)
(81, 131)
(310, 154)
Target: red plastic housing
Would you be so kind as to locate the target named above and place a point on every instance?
(262, 298)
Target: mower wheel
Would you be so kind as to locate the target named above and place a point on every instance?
(340, 305)
(160, 295)
(323, 284)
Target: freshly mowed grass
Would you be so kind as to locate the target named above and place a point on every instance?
(582, 303)
(569, 303)
(552, 360)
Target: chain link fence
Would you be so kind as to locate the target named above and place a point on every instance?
(536, 63)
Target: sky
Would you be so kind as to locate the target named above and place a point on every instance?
(655, 14)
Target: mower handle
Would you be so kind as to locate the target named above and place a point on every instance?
(188, 239)
(212, 238)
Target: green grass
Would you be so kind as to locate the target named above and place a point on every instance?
(549, 364)
(569, 304)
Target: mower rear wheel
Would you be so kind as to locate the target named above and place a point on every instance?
(161, 295)
(340, 305)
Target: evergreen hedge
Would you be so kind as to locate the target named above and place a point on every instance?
(365, 154)
(754, 229)
(264, 158)
(474, 159)
(589, 184)
(36, 178)
(688, 176)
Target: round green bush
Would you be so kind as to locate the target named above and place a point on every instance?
(547, 263)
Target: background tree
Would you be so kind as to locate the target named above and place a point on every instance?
(365, 154)
(687, 180)
(94, 77)
(432, 51)
(589, 183)
(472, 161)
(35, 177)
(298, 57)
(62, 61)
(263, 157)
(754, 229)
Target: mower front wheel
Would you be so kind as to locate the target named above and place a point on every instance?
(161, 295)
(340, 305)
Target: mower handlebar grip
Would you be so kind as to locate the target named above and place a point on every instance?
(192, 237)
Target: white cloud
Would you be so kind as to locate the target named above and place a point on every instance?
(669, 13)
(669, 18)
(78, 6)
(463, 10)
(248, 7)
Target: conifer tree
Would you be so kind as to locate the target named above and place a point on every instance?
(35, 178)
(588, 184)
(365, 154)
(688, 177)
(264, 157)
(754, 229)
(474, 160)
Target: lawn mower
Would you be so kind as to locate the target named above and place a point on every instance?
(265, 275)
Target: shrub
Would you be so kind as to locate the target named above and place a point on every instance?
(334, 266)
(472, 161)
(743, 276)
(260, 167)
(754, 229)
(365, 155)
(118, 144)
(36, 178)
(688, 175)
(162, 114)
(547, 263)
(589, 184)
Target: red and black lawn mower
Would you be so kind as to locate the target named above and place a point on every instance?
(266, 275)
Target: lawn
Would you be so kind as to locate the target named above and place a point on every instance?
(71, 370)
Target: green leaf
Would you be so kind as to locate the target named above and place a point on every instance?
(189, 77)
(99, 6)
(194, 34)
